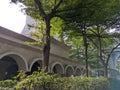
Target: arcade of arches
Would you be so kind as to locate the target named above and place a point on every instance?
(15, 55)
(9, 66)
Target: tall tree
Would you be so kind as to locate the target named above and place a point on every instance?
(46, 10)
(106, 44)
(100, 14)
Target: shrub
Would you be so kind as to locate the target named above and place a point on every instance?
(43, 81)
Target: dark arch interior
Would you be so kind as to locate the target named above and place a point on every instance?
(69, 72)
(84, 71)
(35, 67)
(57, 69)
(8, 68)
(78, 72)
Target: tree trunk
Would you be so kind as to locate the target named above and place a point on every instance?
(86, 50)
(46, 47)
(105, 71)
(100, 56)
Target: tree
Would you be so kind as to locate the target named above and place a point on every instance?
(104, 15)
(106, 44)
(46, 10)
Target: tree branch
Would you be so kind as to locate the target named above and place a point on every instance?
(41, 10)
(111, 52)
(55, 9)
(93, 42)
(93, 31)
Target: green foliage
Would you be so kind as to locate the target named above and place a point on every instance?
(87, 83)
(8, 84)
(43, 81)
(39, 30)
(56, 26)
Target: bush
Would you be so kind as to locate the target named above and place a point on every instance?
(43, 81)
(87, 83)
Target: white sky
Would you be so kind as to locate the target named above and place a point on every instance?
(11, 17)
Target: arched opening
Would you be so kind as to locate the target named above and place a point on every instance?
(57, 69)
(115, 71)
(8, 68)
(35, 66)
(69, 71)
(82, 71)
(77, 72)
(19, 59)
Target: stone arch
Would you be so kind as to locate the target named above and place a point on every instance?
(10, 63)
(83, 71)
(69, 70)
(20, 60)
(35, 64)
(113, 59)
(77, 71)
(117, 59)
(57, 68)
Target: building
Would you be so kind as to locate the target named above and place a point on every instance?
(16, 55)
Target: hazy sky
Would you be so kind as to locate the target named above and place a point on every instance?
(11, 17)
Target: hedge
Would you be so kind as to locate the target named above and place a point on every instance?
(44, 81)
